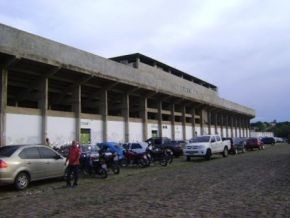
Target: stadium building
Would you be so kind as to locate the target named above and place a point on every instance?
(53, 90)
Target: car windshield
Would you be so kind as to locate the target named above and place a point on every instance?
(7, 151)
(200, 139)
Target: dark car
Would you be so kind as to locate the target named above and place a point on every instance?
(240, 145)
(167, 143)
(269, 140)
(254, 143)
(237, 145)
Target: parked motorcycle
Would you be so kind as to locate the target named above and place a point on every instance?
(93, 164)
(111, 160)
(163, 156)
(134, 158)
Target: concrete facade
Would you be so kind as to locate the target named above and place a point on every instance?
(72, 94)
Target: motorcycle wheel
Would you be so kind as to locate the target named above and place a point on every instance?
(163, 161)
(103, 173)
(115, 168)
(123, 163)
(141, 163)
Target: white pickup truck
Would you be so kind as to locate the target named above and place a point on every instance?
(205, 146)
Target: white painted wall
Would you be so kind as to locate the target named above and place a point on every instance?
(61, 130)
(135, 132)
(116, 131)
(188, 132)
(261, 134)
(23, 129)
(212, 130)
(198, 130)
(178, 132)
(96, 129)
(219, 131)
(166, 130)
(225, 132)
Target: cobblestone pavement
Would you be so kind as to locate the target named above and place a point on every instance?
(255, 184)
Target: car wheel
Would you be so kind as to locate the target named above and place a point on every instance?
(21, 181)
(208, 154)
(187, 158)
(236, 151)
(263, 147)
(225, 152)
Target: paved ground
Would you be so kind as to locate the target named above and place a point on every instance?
(255, 184)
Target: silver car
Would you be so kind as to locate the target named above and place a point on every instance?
(21, 164)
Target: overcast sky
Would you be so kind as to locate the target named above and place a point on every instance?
(241, 46)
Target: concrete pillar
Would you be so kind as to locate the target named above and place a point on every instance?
(193, 121)
(236, 125)
(160, 118)
(3, 104)
(104, 113)
(172, 121)
(227, 125)
(183, 122)
(209, 121)
(215, 123)
(240, 126)
(125, 114)
(232, 125)
(43, 105)
(248, 127)
(202, 122)
(76, 103)
(143, 115)
(222, 124)
(137, 62)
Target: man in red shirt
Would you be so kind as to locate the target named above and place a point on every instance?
(73, 159)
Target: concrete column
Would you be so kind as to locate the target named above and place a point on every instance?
(160, 118)
(227, 125)
(76, 103)
(236, 125)
(172, 122)
(143, 115)
(3, 104)
(222, 124)
(232, 125)
(248, 127)
(240, 126)
(125, 114)
(43, 105)
(202, 122)
(193, 121)
(104, 113)
(215, 123)
(209, 121)
(183, 122)
(137, 62)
